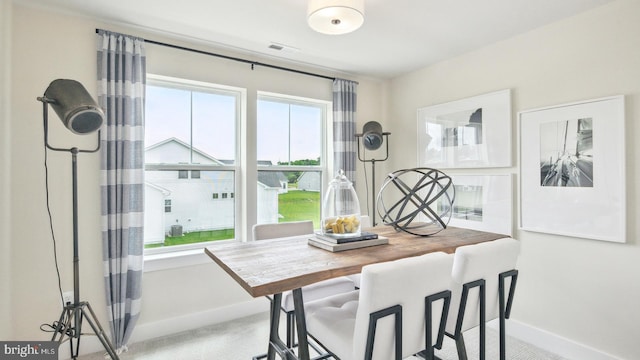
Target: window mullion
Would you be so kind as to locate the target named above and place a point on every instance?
(191, 126)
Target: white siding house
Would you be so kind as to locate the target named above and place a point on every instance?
(310, 181)
(270, 185)
(197, 200)
(154, 202)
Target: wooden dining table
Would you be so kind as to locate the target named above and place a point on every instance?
(271, 267)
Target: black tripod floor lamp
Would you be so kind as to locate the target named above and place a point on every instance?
(372, 139)
(82, 115)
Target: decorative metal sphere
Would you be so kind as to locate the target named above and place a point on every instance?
(417, 201)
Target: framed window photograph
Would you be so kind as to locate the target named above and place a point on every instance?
(483, 202)
(468, 133)
(572, 173)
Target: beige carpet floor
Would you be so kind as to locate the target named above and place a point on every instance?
(243, 338)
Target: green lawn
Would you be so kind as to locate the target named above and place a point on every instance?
(300, 205)
(293, 206)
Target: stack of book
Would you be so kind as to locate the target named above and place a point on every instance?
(342, 243)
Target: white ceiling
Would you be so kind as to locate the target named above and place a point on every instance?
(397, 36)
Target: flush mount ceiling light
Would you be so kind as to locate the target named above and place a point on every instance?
(335, 17)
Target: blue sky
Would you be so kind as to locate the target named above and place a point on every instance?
(283, 130)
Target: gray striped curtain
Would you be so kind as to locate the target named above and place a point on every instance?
(121, 86)
(344, 127)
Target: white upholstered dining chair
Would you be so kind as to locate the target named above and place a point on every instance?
(276, 230)
(311, 292)
(399, 310)
(482, 275)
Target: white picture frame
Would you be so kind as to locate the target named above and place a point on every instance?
(484, 203)
(572, 169)
(470, 133)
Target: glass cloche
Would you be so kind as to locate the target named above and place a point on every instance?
(341, 208)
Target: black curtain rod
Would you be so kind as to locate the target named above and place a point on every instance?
(253, 63)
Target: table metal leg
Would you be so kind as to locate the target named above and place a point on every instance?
(276, 345)
(301, 325)
(274, 324)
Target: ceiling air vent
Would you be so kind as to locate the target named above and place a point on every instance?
(282, 47)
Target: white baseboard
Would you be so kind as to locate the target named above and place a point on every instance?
(142, 332)
(197, 320)
(553, 343)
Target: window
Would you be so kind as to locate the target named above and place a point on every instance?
(291, 158)
(190, 128)
(192, 163)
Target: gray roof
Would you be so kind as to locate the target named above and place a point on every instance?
(271, 178)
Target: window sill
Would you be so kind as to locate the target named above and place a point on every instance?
(173, 260)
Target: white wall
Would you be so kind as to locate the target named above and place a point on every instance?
(47, 46)
(583, 290)
(5, 161)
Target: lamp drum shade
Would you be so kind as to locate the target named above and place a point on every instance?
(335, 17)
(372, 135)
(75, 107)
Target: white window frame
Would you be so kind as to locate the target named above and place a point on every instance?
(327, 147)
(192, 254)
